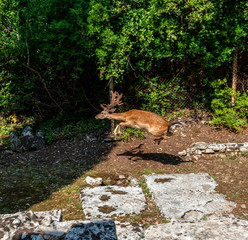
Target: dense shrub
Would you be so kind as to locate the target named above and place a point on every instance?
(225, 113)
(53, 54)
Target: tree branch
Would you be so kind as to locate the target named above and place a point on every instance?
(45, 86)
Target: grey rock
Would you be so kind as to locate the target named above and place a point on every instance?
(93, 181)
(200, 148)
(27, 131)
(15, 142)
(107, 201)
(215, 147)
(244, 147)
(231, 147)
(209, 151)
(22, 224)
(27, 141)
(96, 229)
(200, 145)
(214, 228)
(182, 153)
(127, 231)
(177, 194)
(222, 148)
(198, 152)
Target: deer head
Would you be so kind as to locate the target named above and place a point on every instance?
(109, 108)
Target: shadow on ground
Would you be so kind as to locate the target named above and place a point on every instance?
(30, 178)
(137, 154)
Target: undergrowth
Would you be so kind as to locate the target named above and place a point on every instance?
(60, 126)
(53, 128)
(128, 133)
(11, 123)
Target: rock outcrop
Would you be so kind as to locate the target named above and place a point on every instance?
(27, 141)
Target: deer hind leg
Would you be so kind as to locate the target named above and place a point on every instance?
(158, 140)
(162, 136)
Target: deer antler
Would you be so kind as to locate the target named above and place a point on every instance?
(115, 100)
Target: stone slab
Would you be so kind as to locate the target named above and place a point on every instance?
(180, 195)
(107, 201)
(13, 225)
(128, 231)
(213, 228)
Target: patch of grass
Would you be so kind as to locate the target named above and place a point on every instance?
(144, 187)
(26, 183)
(128, 133)
(244, 154)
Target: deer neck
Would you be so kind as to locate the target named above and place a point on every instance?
(116, 116)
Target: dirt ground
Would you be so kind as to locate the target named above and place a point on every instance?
(67, 159)
(143, 156)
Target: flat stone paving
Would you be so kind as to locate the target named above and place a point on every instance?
(213, 228)
(187, 196)
(195, 210)
(107, 201)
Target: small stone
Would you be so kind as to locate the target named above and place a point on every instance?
(214, 147)
(209, 151)
(93, 181)
(222, 147)
(244, 147)
(27, 131)
(243, 206)
(198, 152)
(195, 158)
(90, 139)
(183, 153)
(122, 176)
(201, 145)
(230, 147)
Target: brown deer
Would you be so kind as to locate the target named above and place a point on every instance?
(152, 122)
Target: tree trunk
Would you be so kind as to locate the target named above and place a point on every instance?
(234, 78)
(111, 88)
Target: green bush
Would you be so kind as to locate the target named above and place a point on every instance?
(159, 95)
(224, 113)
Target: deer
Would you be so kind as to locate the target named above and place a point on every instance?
(145, 120)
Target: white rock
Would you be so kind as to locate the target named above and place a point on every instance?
(198, 152)
(231, 147)
(222, 147)
(201, 145)
(93, 181)
(209, 151)
(126, 231)
(183, 153)
(214, 228)
(177, 194)
(107, 201)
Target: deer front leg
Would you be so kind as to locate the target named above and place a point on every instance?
(118, 127)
